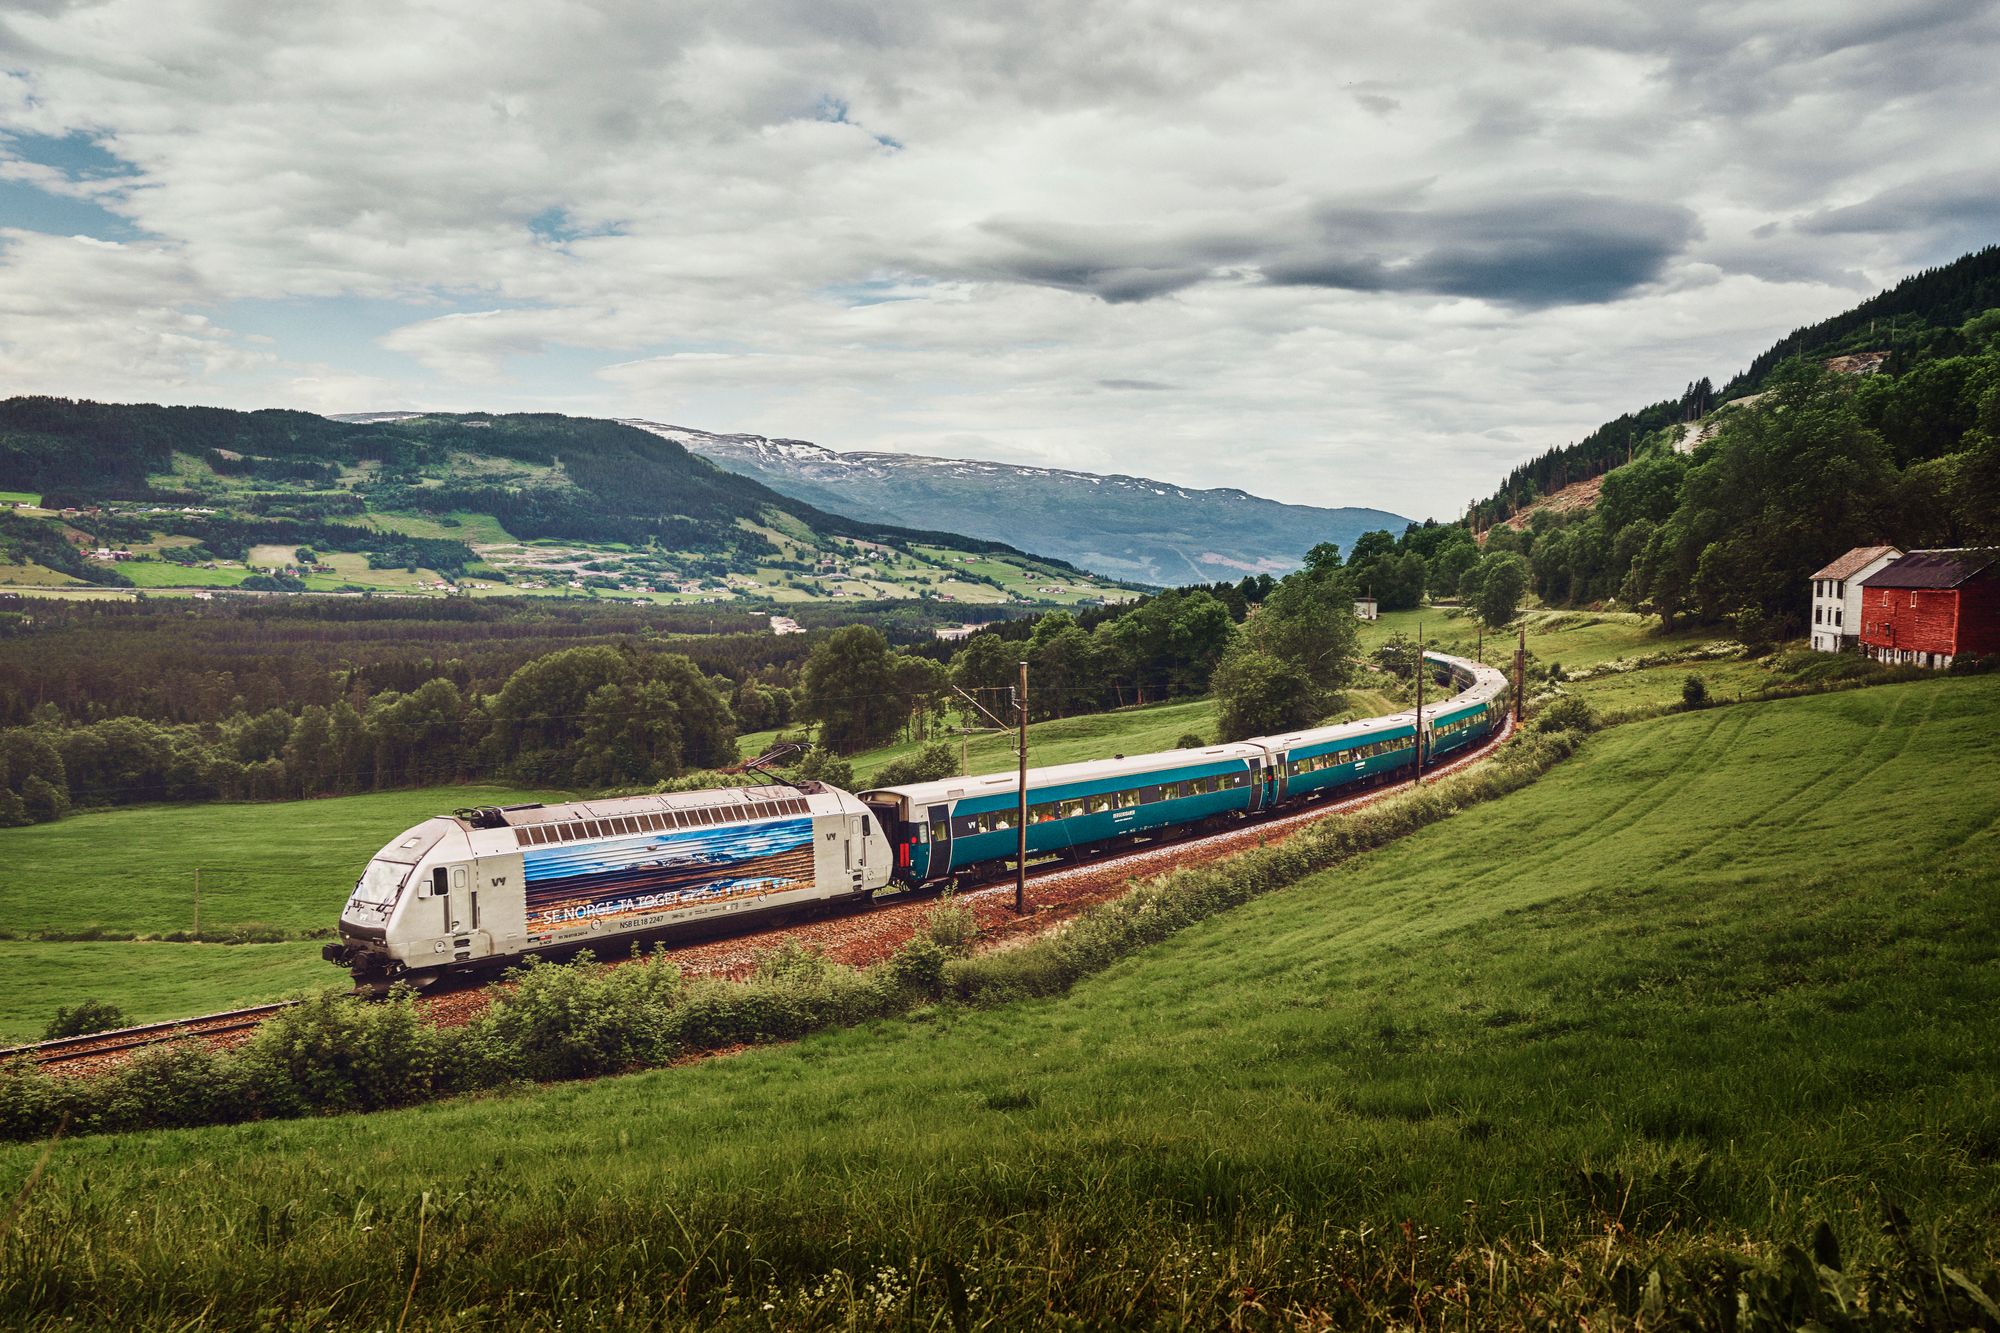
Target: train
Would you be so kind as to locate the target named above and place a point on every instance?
(482, 889)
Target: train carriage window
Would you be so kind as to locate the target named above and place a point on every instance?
(1071, 809)
(1096, 804)
(1001, 821)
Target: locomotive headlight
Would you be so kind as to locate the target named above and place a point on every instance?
(438, 947)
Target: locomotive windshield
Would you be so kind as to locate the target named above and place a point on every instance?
(381, 882)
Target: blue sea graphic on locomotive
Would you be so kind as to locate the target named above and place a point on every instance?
(615, 878)
(939, 828)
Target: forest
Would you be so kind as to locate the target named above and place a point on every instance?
(1823, 462)
(1918, 320)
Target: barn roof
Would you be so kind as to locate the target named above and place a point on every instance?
(1855, 561)
(1933, 569)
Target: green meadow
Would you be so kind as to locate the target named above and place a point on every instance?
(276, 873)
(1719, 985)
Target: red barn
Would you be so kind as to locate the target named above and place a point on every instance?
(1932, 606)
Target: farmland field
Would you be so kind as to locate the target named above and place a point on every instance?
(1721, 979)
(272, 869)
(162, 574)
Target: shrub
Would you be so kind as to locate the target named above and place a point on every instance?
(1190, 741)
(822, 765)
(575, 1021)
(934, 761)
(171, 1087)
(952, 926)
(87, 1017)
(1565, 712)
(918, 967)
(1694, 693)
(336, 1052)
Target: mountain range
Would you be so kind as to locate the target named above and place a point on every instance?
(1124, 527)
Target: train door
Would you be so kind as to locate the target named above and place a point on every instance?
(857, 848)
(458, 901)
(940, 821)
(1256, 785)
(1280, 777)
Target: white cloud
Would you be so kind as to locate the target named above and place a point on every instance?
(1376, 256)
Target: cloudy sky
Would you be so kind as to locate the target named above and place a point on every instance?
(1331, 253)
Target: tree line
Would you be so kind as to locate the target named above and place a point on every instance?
(590, 717)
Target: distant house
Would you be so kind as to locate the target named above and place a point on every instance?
(1364, 609)
(1836, 596)
(1932, 607)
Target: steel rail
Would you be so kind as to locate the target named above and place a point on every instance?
(60, 1049)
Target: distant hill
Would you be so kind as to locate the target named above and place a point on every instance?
(532, 499)
(1120, 526)
(1915, 319)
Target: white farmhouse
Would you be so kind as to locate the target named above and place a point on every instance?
(1836, 596)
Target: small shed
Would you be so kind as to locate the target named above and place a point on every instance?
(1364, 609)
(1932, 607)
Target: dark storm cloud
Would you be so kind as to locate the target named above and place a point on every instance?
(1114, 264)
(1532, 250)
(1547, 250)
(1948, 201)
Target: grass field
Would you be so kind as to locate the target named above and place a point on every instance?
(1721, 978)
(35, 576)
(165, 574)
(149, 980)
(284, 867)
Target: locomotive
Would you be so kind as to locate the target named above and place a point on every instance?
(481, 889)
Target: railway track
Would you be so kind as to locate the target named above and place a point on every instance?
(1095, 877)
(65, 1050)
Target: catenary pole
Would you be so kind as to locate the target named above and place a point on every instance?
(1417, 773)
(1520, 673)
(1021, 818)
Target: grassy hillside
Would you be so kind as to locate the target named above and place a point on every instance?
(1721, 978)
(536, 504)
